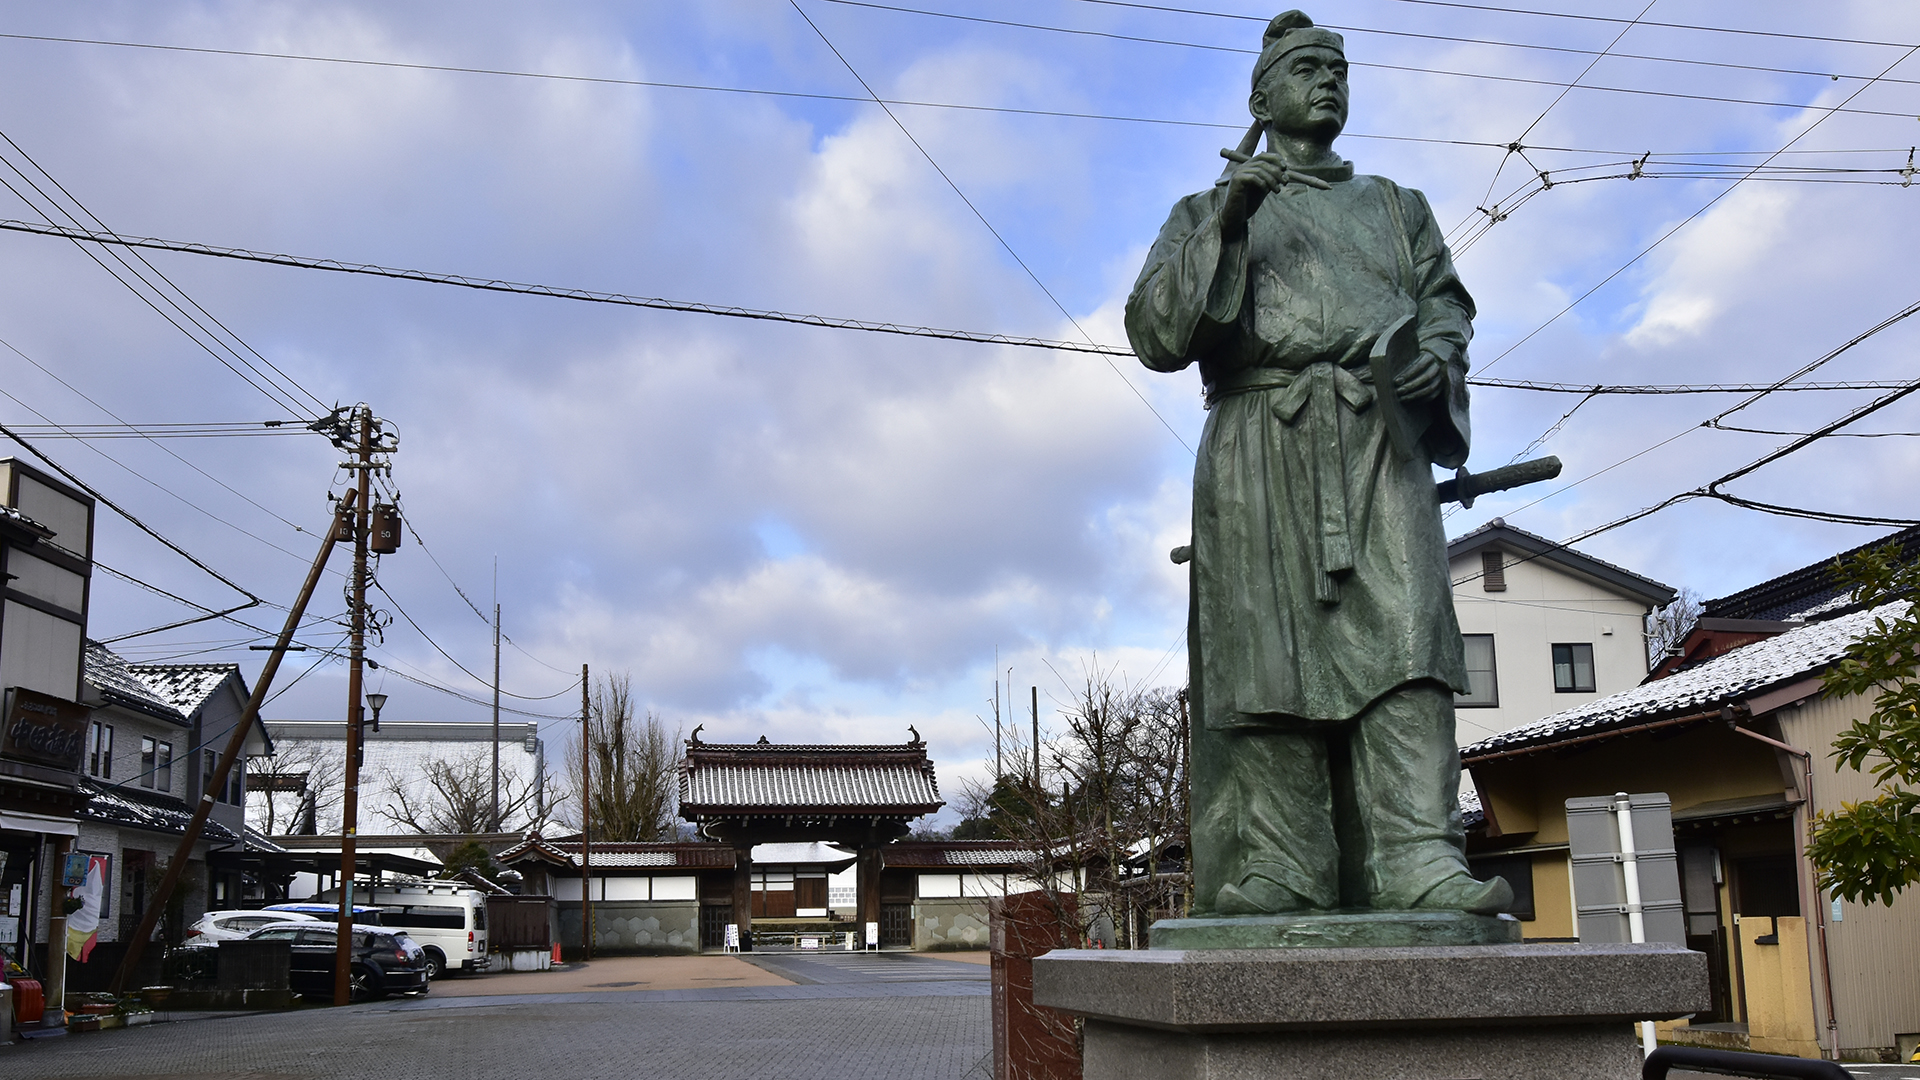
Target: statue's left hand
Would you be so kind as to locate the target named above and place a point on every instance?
(1420, 380)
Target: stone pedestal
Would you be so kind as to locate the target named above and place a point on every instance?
(1489, 1012)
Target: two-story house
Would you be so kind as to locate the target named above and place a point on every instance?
(1546, 627)
(152, 741)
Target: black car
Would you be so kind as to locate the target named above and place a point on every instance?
(385, 961)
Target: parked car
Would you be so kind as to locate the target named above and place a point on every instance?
(232, 925)
(447, 918)
(384, 961)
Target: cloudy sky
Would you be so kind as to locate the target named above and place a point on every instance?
(819, 534)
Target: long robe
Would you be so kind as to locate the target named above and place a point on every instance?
(1320, 579)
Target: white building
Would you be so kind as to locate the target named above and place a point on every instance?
(416, 776)
(1546, 627)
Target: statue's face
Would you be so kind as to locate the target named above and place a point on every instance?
(1305, 93)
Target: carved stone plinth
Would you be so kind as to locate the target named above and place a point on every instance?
(1493, 1012)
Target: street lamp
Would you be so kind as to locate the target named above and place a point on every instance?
(376, 702)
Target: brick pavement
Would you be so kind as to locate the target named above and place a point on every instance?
(614, 973)
(930, 1025)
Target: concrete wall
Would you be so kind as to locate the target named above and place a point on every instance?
(636, 927)
(950, 923)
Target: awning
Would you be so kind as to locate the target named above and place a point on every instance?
(34, 823)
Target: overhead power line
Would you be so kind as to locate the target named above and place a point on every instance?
(1563, 86)
(835, 323)
(1121, 375)
(562, 293)
(965, 107)
(1825, 113)
(166, 302)
(1527, 11)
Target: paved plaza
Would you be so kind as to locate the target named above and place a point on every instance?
(832, 1016)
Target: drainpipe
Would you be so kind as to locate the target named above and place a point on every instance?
(1819, 909)
(1636, 920)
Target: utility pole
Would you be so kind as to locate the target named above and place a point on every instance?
(586, 818)
(493, 820)
(356, 663)
(1038, 794)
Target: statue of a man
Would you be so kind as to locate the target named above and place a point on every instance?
(1324, 648)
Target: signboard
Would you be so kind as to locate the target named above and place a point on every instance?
(44, 729)
(873, 935)
(9, 931)
(74, 873)
(733, 937)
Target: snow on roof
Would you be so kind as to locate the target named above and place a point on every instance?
(1795, 654)
(184, 686)
(117, 683)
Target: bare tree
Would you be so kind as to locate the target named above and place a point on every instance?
(636, 767)
(455, 795)
(1668, 626)
(1109, 798)
(297, 785)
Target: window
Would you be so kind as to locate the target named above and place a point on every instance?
(1493, 571)
(1483, 689)
(156, 764)
(1573, 669)
(232, 793)
(100, 750)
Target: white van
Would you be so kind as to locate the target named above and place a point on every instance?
(447, 918)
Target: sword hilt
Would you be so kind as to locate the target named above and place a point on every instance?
(1467, 486)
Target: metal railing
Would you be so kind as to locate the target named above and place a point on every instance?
(1732, 1063)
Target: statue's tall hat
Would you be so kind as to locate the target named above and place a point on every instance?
(1289, 31)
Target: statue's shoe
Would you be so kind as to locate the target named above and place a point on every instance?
(1259, 896)
(1462, 893)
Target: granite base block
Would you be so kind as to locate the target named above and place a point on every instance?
(1336, 930)
(1494, 1012)
(1570, 1052)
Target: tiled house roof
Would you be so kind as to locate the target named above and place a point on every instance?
(1739, 674)
(116, 805)
(185, 686)
(117, 683)
(731, 780)
(566, 853)
(961, 854)
(1807, 593)
(1497, 533)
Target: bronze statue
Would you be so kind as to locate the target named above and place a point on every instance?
(1331, 333)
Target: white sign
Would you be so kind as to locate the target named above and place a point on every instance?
(733, 936)
(9, 931)
(810, 943)
(1838, 914)
(873, 935)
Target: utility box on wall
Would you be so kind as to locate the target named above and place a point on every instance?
(1601, 865)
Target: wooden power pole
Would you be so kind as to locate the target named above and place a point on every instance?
(586, 818)
(356, 663)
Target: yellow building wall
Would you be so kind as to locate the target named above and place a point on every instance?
(1874, 950)
(1552, 898)
(1779, 1008)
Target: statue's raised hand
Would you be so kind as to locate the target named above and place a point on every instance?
(1252, 180)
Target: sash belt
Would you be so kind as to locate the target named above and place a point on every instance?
(1309, 400)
